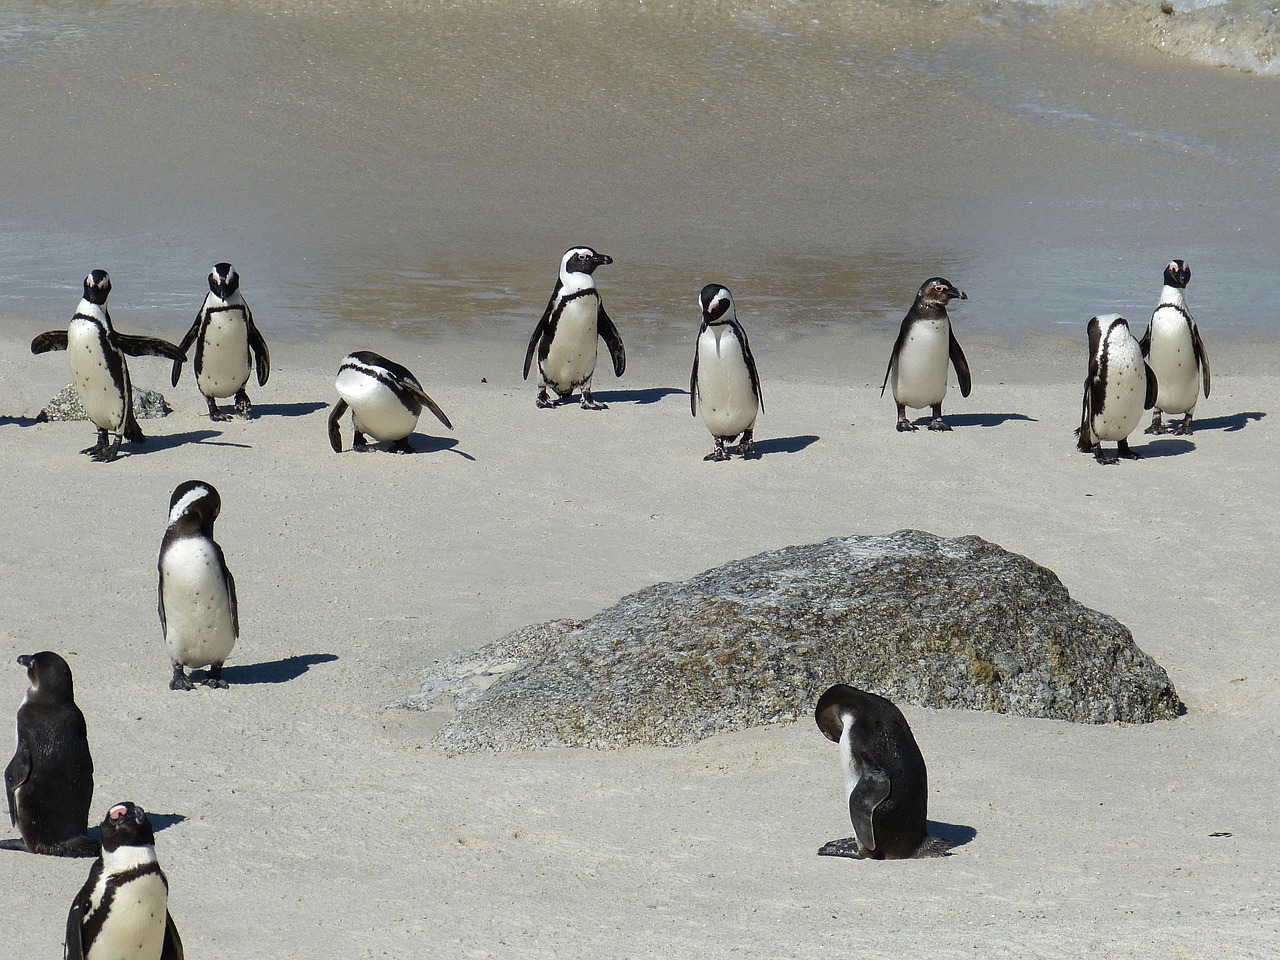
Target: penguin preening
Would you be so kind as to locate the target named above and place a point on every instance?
(724, 379)
(199, 614)
(96, 351)
(49, 781)
(1173, 348)
(224, 336)
(565, 337)
(886, 782)
(122, 911)
(1118, 387)
(385, 400)
(918, 363)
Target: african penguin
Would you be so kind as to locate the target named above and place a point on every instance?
(918, 363)
(96, 352)
(1118, 387)
(49, 781)
(224, 335)
(886, 782)
(385, 401)
(122, 911)
(1173, 347)
(724, 375)
(565, 337)
(199, 616)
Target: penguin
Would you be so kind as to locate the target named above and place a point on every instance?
(122, 911)
(224, 336)
(724, 375)
(385, 401)
(96, 351)
(49, 781)
(1118, 387)
(918, 363)
(199, 616)
(1173, 347)
(565, 337)
(885, 778)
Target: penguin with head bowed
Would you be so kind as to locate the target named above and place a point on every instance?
(385, 400)
(199, 616)
(122, 911)
(565, 338)
(925, 344)
(49, 781)
(1173, 348)
(224, 336)
(885, 778)
(1118, 387)
(724, 380)
(96, 351)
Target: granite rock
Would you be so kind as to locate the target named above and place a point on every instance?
(910, 616)
(147, 405)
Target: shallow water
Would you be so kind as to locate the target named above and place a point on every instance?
(422, 166)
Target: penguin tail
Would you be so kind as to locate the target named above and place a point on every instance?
(132, 432)
(932, 847)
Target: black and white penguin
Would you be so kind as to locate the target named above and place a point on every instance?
(885, 778)
(199, 616)
(122, 911)
(49, 781)
(385, 401)
(565, 337)
(96, 351)
(224, 336)
(1173, 347)
(918, 364)
(724, 377)
(1119, 386)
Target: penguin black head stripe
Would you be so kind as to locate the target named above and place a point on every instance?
(938, 292)
(127, 825)
(1177, 274)
(715, 302)
(195, 498)
(223, 280)
(97, 286)
(49, 676)
(584, 260)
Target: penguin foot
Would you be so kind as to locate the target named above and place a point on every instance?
(358, 441)
(216, 683)
(243, 406)
(748, 447)
(180, 679)
(98, 447)
(1157, 426)
(718, 455)
(544, 401)
(402, 446)
(940, 425)
(848, 847)
(906, 426)
(216, 415)
(108, 453)
(1184, 428)
(587, 403)
(1103, 459)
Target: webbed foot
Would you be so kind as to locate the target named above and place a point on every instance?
(180, 679)
(1184, 428)
(848, 847)
(243, 406)
(939, 425)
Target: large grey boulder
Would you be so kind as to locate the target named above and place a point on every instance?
(913, 617)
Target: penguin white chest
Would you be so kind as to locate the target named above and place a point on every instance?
(135, 924)
(1173, 358)
(103, 399)
(726, 400)
(375, 408)
(224, 353)
(920, 368)
(852, 772)
(1125, 388)
(571, 357)
(199, 627)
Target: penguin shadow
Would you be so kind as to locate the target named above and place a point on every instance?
(20, 421)
(287, 409)
(424, 443)
(156, 443)
(785, 444)
(1228, 424)
(954, 833)
(641, 397)
(274, 671)
(981, 419)
(1169, 447)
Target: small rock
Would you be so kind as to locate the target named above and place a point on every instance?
(147, 405)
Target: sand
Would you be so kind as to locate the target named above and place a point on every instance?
(301, 818)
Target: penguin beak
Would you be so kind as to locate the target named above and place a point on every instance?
(957, 294)
(601, 260)
(25, 660)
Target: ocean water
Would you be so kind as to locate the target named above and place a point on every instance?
(421, 166)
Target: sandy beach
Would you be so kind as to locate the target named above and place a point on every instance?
(301, 817)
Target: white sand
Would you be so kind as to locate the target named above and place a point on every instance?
(314, 823)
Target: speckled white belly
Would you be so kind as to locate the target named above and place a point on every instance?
(1126, 389)
(726, 401)
(572, 358)
(920, 370)
(224, 362)
(199, 629)
(102, 400)
(1173, 359)
(134, 928)
(375, 409)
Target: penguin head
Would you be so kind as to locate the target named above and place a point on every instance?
(716, 302)
(126, 825)
(97, 285)
(195, 498)
(1177, 274)
(223, 280)
(582, 260)
(938, 292)
(49, 676)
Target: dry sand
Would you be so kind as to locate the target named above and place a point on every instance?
(301, 818)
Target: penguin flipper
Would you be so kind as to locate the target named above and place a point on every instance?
(893, 355)
(15, 775)
(873, 789)
(231, 592)
(261, 355)
(1153, 388)
(136, 346)
(693, 379)
(959, 361)
(335, 429)
(749, 357)
(185, 345)
(612, 340)
(52, 340)
(75, 916)
(1202, 358)
(420, 395)
(172, 949)
(1145, 343)
(540, 331)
